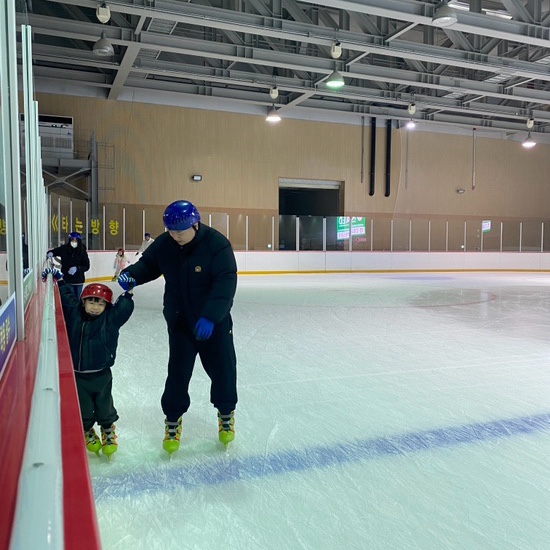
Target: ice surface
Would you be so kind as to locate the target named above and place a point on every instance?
(376, 411)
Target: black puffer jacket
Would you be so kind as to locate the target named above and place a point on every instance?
(93, 340)
(72, 257)
(201, 276)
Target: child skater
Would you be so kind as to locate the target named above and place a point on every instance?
(93, 324)
(121, 261)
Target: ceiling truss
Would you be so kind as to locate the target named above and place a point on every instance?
(490, 70)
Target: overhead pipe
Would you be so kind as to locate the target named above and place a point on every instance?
(388, 156)
(372, 155)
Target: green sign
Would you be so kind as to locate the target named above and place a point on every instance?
(343, 223)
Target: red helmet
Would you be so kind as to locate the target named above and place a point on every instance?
(98, 290)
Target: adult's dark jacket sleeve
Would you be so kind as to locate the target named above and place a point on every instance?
(200, 277)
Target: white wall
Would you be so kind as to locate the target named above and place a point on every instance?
(280, 262)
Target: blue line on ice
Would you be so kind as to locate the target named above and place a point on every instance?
(134, 484)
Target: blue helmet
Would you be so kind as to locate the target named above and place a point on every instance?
(180, 215)
(75, 235)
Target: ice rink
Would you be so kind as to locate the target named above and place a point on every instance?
(376, 412)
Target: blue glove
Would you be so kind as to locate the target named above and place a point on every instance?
(203, 329)
(126, 281)
(56, 274)
(26, 271)
(49, 255)
(72, 270)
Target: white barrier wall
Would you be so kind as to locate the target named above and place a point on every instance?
(273, 262)
(101, 262)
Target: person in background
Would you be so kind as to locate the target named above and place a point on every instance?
(25, 252)
(121, 261)
(93, 323)
(74, 261)
(200, 275)
(147, 242)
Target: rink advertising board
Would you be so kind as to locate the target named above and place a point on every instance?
(7, 332)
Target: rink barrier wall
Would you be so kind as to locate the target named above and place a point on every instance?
(17, 385)
(16, 392)
(80, 525)
(345, 262)
(101, 262)
(39, 496)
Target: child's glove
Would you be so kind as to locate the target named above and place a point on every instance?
(26, 271)
(203, 329)
(56, 274)
(72, 270)
(126, 281)
(49, 255)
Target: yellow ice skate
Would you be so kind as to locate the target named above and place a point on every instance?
(109, 441)
(172, 435)
(226, 425)
(93, 443)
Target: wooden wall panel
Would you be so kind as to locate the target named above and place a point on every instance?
(241, 158)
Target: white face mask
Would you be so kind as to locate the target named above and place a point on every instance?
(74, 244)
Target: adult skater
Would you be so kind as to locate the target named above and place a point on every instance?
(200, 271)
(74, 262)
(145, 244)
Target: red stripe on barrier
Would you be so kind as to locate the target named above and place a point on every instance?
(16, 391)
(80, 520)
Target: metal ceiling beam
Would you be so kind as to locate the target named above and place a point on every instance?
(402, 10)
(351, 41)
(397, 48)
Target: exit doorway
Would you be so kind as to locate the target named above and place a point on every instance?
(311, 201)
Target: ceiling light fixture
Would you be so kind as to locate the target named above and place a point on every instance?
(103, 47)
(335, 81)
(273, 115)
(444, 15)
(529, 142)
(103, 13)
(274, 92)
(336, 49)
(411, 125)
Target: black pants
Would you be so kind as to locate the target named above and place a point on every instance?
(96, 399)
(219, 360)
(77, 289)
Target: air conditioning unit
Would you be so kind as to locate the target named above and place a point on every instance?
(56, 136)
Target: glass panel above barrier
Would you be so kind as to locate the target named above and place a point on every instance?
(113, 227)
(361, 234)
(287, 232)
(510, 236)
(473, 235)
(490, 229)
(381, 234)
(334, 239)
(260, 232)
(217, 220)
(438, 235)
(401, 228)
(419, 235)
(237, 231)
(311, 233)
(546, 236)
(456, 236)
(531, 235)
